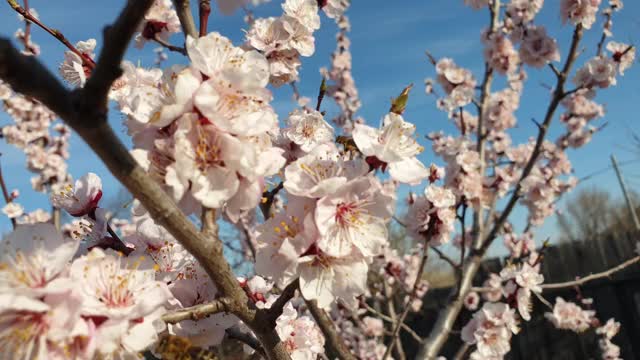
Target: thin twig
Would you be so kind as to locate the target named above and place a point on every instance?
(334, 346)
(485, 90)
(245, 338)
(7, 197)
(267, 200)
(600, 275)
(413, 294)
(543, 300)
(205, 10)
(168, 46)
(446, 258)
(86, 60)
(197, 312)
(386, 318)
(117, 243)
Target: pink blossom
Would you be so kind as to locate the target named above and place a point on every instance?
(353, 216)
(394, 145)
(500, 54)
(72, 68)
(471, 301)
(373, 326)
(579, 11)
(81, 199)
(624, 55)
(34, 261)
(476, 4)
(569, 316)
(160, 22)
(13, 210)
(308, 129)
(305, 11)
(537, 48)
(599, 72)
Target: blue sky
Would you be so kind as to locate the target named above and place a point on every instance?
(389, 39)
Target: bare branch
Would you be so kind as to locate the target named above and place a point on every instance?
(386, 318)
(197, 312)
(334, 346)
(412, 295)
(446, 258)
(170, 47)
(245, 338)
(183, 8)
(582, 281)
(287, 294)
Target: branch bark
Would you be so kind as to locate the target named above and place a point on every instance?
(183, 8)
(197, 312)
(7, 197)
(334, 346)
(596, 276)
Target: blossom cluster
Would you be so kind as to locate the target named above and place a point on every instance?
(282, 40)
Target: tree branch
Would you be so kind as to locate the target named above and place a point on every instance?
(197, 312)
(478, 224)
(183, 8)
(116, 40)
(204, 11)
(5, 194)
(334, 346)
(596, 276)
(170, 47)
(412, 296)
(245, 338)
(386, 318)
(287, 294)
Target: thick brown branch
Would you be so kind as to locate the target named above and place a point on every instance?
(287, 294)
(334, 346)
(197, 312)
(183, 8)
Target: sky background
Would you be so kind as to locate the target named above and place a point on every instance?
(389, 39)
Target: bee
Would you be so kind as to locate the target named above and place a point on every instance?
(172, 347)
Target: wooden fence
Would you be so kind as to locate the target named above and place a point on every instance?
(617, 297)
